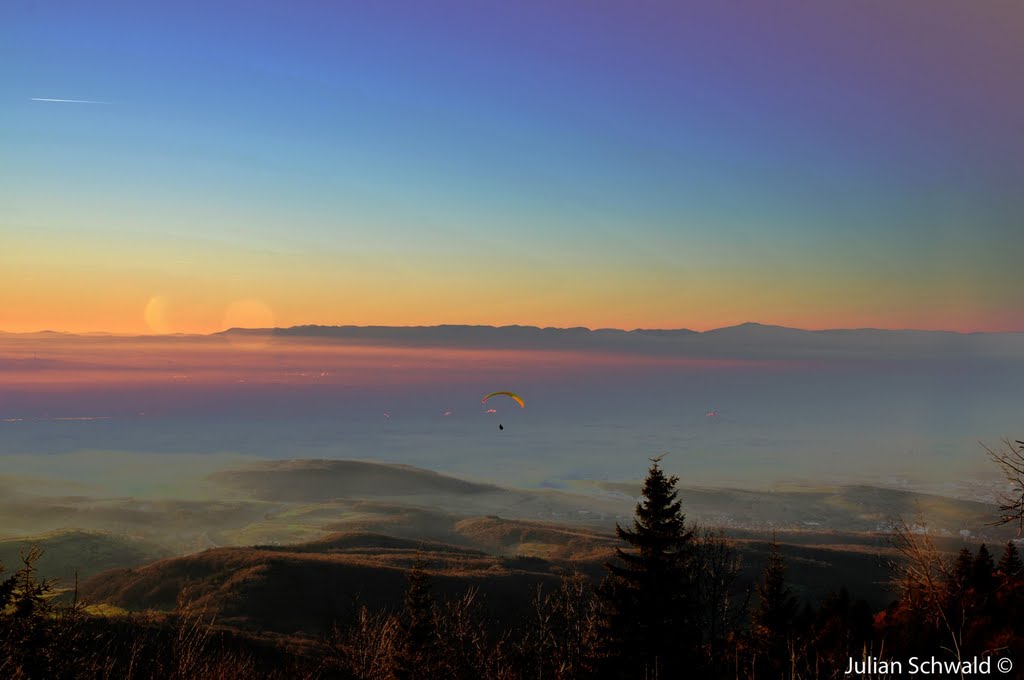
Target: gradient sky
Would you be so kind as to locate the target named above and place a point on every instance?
(641, 164)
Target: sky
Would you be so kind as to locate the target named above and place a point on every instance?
(600, 164)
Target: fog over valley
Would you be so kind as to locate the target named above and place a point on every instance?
(750, 407)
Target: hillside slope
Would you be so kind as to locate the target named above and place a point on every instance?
(305, 588)
(85, 553)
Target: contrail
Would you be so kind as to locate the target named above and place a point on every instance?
(66, 101)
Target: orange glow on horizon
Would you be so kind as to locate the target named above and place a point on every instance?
(154, 325)
(152, 286)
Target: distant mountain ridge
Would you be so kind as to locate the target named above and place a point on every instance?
(340, 330)
(748, 340)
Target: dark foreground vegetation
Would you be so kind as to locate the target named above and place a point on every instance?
(672, 603)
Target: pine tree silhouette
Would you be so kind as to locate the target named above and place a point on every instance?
(1010, 565)
(651, 615)
(774, 620)
(963, 568)
(1010, 595)
(983, 576)
(416, 655)
(30, 635)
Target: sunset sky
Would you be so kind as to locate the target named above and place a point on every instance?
(604, 164)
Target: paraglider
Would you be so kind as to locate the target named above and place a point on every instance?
(512, 395)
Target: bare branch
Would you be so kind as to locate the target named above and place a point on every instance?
(1010, 460)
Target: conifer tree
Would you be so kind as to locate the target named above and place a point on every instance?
(417, 626)
(982, 575)
(962, 569)
(1010, 565)
(29, 630)
(1010, 597)
(774, 620)
(651, 614)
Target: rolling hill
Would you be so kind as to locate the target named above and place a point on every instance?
(303, 589)
(321, 480)
(85, 553)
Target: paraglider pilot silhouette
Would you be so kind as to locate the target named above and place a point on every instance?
(512, 395)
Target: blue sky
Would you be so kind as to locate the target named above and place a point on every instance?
(656, 164)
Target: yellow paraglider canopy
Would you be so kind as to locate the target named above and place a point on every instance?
(513, 395)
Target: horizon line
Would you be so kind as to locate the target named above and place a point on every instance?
(508, 326)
